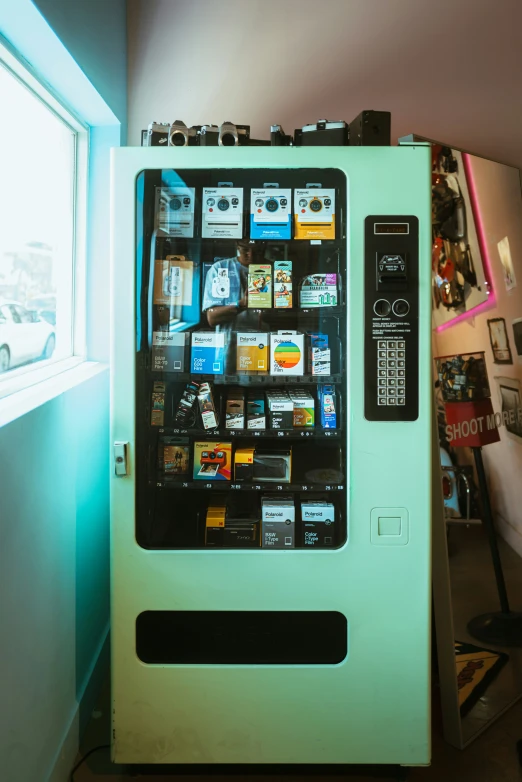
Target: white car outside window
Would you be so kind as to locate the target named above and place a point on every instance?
(24, 336)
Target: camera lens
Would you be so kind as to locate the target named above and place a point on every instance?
(316, 205)
(175, 204)
(223, 204)
(178, 139)
(283, 202)
(327, 202)
(210, 202)
(271, 205)
(235, 201)
(186, 201)
(228, 140)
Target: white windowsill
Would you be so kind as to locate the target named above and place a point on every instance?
(64, 375)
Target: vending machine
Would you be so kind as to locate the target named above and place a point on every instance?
(271, 433)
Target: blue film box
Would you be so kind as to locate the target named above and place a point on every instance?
(208, 353)
(328, 407)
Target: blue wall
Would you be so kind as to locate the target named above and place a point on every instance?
(95, 33)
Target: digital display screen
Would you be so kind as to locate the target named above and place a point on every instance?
(391, 228)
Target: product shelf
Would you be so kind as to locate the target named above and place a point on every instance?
(317, 433)
(251, 380)
(230, 486)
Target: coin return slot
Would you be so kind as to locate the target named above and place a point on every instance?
(382, 308)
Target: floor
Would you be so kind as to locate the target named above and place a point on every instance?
(492, 757)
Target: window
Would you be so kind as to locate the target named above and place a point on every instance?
(42, 164)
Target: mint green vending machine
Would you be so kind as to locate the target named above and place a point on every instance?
(271, 429)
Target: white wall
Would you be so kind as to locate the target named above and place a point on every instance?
(500, 206)
(448, 70)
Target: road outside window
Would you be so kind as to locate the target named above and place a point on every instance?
(37, 185)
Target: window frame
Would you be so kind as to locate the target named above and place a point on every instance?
(23, 377)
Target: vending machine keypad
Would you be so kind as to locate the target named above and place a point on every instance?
(391, 318)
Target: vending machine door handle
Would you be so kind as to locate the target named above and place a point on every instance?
(120, 457)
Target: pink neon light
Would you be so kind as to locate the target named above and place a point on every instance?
(486, 260)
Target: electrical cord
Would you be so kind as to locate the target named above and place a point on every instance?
(90, 752)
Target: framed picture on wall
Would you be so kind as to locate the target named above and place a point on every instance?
(510, 281)
(517, 333)
(499, 341)
(511, 406)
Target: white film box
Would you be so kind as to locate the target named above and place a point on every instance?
(287, 353)
(277, 522)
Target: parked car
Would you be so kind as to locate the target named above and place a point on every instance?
(24, 336)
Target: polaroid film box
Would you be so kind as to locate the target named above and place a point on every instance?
(283, 284)
(174, 455)
(212, 461)
(173, 280)
(241, 533)
(251, 352)
(244, 464)
(222, 213)
(303, 408)
(235, 409)
(314, 213)
(168, 351)
(280, 410)
(328, 407)
(318, 524)
(270, 213)
(277, 522)
(174, 211)
(319, 290)
(157, 417)
(287, 353)
(256, 416)
(319, 356)
(208, 353)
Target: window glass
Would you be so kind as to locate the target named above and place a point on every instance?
(37, 161)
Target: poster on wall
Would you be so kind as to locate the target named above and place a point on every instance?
(458, 280)
(510, 281)
(499, 341)
(511, 406)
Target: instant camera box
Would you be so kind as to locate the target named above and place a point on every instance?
(318, 524)
(283, 284)
(168, 351)
(215, 522)
(287, 353)
(277, 522)
(244, 464)
(314, 213)
(222, 216)
(173, 281)
(212, 461)
(251, 353)
(208, 353)
(270, 213)
(174, 211)
(259, 286)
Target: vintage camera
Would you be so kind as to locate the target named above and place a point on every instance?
(325, 133)
(231, 135)
(158, 134)
(221, 285)
(278, 138)
(371, 129)
(208, 136)
(181, 136)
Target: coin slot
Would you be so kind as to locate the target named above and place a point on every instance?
(401, 308)
(382, 308)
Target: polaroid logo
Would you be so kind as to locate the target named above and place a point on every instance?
(204, 340)
(247, 340)
(274, 514)
(161, 339)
